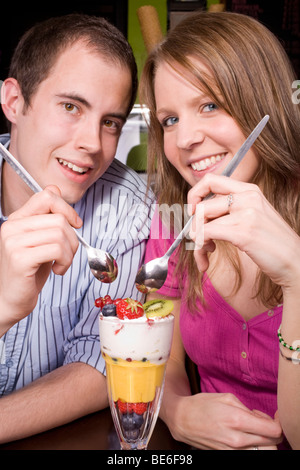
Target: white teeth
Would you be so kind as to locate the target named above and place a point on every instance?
(207, 162)
(72, 167)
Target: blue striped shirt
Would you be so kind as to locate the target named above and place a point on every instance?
(63, 327)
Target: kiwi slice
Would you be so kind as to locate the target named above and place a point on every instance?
(158, 308)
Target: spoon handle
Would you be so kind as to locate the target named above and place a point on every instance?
(184, 231)
(27, 178)
(19, 169)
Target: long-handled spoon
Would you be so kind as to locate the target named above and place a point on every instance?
(152, 275)
(102, 264)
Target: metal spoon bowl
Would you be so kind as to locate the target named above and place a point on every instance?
(102, 264)
(152, 275)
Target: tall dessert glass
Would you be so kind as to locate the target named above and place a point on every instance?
(135, 352)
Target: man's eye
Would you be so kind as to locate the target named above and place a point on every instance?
(71, 108)
(109, 123)
(113, 125)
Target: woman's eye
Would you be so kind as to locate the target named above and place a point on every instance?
(70, 108)
(170, 121)
(209, 107)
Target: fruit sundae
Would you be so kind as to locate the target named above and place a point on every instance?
(135, 342)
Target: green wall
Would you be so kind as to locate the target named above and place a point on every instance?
(211, 2)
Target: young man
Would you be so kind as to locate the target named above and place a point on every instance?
(72, 84)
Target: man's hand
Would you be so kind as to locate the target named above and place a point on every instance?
(34, 240)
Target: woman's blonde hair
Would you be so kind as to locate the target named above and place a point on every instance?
(250, 76)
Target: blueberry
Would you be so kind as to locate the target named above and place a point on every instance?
(131, 422)
(109, 310)
(132, 435)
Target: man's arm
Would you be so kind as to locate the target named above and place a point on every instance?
(67, 393)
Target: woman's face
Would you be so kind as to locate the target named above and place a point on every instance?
(199, 137)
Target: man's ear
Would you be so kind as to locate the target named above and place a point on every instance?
(11, 99)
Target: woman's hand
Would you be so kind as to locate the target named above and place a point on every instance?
(34, 240)
(250, 223)
(220, 421)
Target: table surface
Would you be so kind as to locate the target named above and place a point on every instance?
(92, 432)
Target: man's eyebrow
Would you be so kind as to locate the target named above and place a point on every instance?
(121, 116)
(80, 99)
(74, 97)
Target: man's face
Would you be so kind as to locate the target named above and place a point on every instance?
(69, 134)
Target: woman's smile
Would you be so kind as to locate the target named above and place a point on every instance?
(207, 162)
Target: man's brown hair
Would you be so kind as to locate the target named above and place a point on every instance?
(41, 45)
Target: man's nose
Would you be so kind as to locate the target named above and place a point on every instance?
(88, 136)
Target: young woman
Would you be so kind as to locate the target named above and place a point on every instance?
(207, 86)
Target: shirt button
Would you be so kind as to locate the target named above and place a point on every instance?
(270, 313)
(244, 355)
(244, 326)
(9, 363)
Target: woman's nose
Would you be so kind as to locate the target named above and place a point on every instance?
(189, 133)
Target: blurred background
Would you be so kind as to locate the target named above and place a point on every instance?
(280, 16)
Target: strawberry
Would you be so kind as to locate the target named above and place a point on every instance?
(129, 309)
(124, 407)
(139, 408)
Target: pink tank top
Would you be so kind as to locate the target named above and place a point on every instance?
(232, 355)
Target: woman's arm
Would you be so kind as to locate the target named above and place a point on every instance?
(289, 366)
(209, 420)
(254, 227)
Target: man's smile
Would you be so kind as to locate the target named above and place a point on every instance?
(72, 166)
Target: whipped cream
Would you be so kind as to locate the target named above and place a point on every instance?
(139, 339)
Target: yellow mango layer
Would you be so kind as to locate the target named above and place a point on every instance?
(135, 381)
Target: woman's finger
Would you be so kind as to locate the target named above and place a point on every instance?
(219, 185)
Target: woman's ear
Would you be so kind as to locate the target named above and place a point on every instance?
(11, 99)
